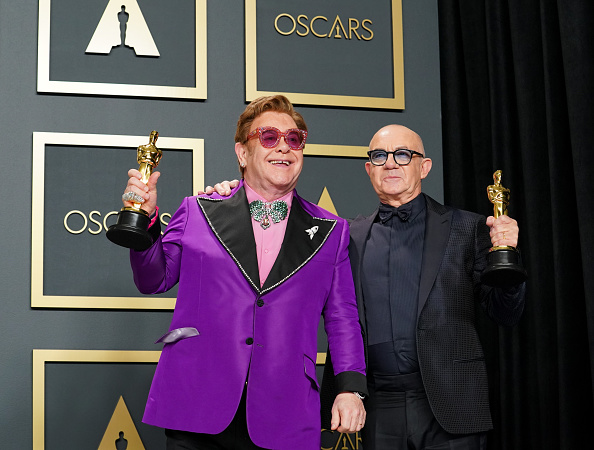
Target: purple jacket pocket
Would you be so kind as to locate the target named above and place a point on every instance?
(310, 371)
(177, 335)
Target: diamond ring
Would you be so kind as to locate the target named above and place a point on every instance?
(132, 197)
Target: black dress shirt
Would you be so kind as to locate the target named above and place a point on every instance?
(390, 277)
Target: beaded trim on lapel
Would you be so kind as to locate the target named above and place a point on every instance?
(310, 256)
(255, 286)
(245, 274)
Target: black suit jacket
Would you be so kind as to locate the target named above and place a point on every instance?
(450, 355)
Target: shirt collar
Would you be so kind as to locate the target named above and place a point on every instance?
(417, 205)
(253, 195)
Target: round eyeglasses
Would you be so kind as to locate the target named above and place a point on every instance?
(270, 137)
(402, 156)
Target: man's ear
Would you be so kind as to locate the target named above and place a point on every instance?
(426, 167)
(368, 168)
(240, 151)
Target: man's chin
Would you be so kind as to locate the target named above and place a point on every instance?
(391, 190)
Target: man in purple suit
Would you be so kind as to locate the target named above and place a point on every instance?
(238, 368)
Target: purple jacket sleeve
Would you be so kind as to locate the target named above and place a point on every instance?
(341, 321)
(156, 269)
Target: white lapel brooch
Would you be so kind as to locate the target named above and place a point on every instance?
(311, 231)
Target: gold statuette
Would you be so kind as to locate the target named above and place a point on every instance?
(498, 195)
(131, 227)
(503, 262)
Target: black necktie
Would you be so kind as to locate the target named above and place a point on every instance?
(387, 211)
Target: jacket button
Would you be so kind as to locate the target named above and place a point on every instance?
(260, 302)
(249, 341)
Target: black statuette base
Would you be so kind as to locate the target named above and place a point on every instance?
(130, 230)
(504, 268)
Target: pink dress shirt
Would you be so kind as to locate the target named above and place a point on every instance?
(268, 241)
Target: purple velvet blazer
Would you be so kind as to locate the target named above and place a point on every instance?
(227, 330)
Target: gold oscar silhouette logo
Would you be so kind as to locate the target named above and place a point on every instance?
(326, 202)
(121, 433)
(122, 25)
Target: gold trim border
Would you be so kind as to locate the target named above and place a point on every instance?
(44, 84)
(42, 356)
(251, 69)
(341, 151)
(40, 141)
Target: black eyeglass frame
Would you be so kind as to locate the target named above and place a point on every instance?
(410, 152)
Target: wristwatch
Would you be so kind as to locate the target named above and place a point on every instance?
(359, 395)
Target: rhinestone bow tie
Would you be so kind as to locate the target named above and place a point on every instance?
(264, 211)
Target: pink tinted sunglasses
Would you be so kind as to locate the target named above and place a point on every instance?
(270, 137)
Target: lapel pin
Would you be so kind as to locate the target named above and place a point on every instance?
(311, 231)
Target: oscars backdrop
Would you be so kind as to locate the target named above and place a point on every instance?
(84, 82)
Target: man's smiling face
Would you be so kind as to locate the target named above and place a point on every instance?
(395, 184)
(271, 172)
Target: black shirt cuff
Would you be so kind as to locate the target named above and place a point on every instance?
(351, 382)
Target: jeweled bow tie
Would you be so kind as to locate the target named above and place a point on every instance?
(264, 211)
(386, 212)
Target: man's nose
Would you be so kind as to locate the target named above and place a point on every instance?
(283, 147)
(391, 163)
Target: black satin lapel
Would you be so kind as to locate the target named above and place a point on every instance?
(297, 247)
(230, 221)
(359, 230)
(437, 233)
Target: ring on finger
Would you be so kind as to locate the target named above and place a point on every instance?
(132, 197)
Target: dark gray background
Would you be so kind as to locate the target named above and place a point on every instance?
(102, 268)
(170, 23)
(100, 385)
(23, 111)
(340, 66)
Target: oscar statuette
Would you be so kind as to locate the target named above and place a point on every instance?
(503, 263)
(131, 227)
